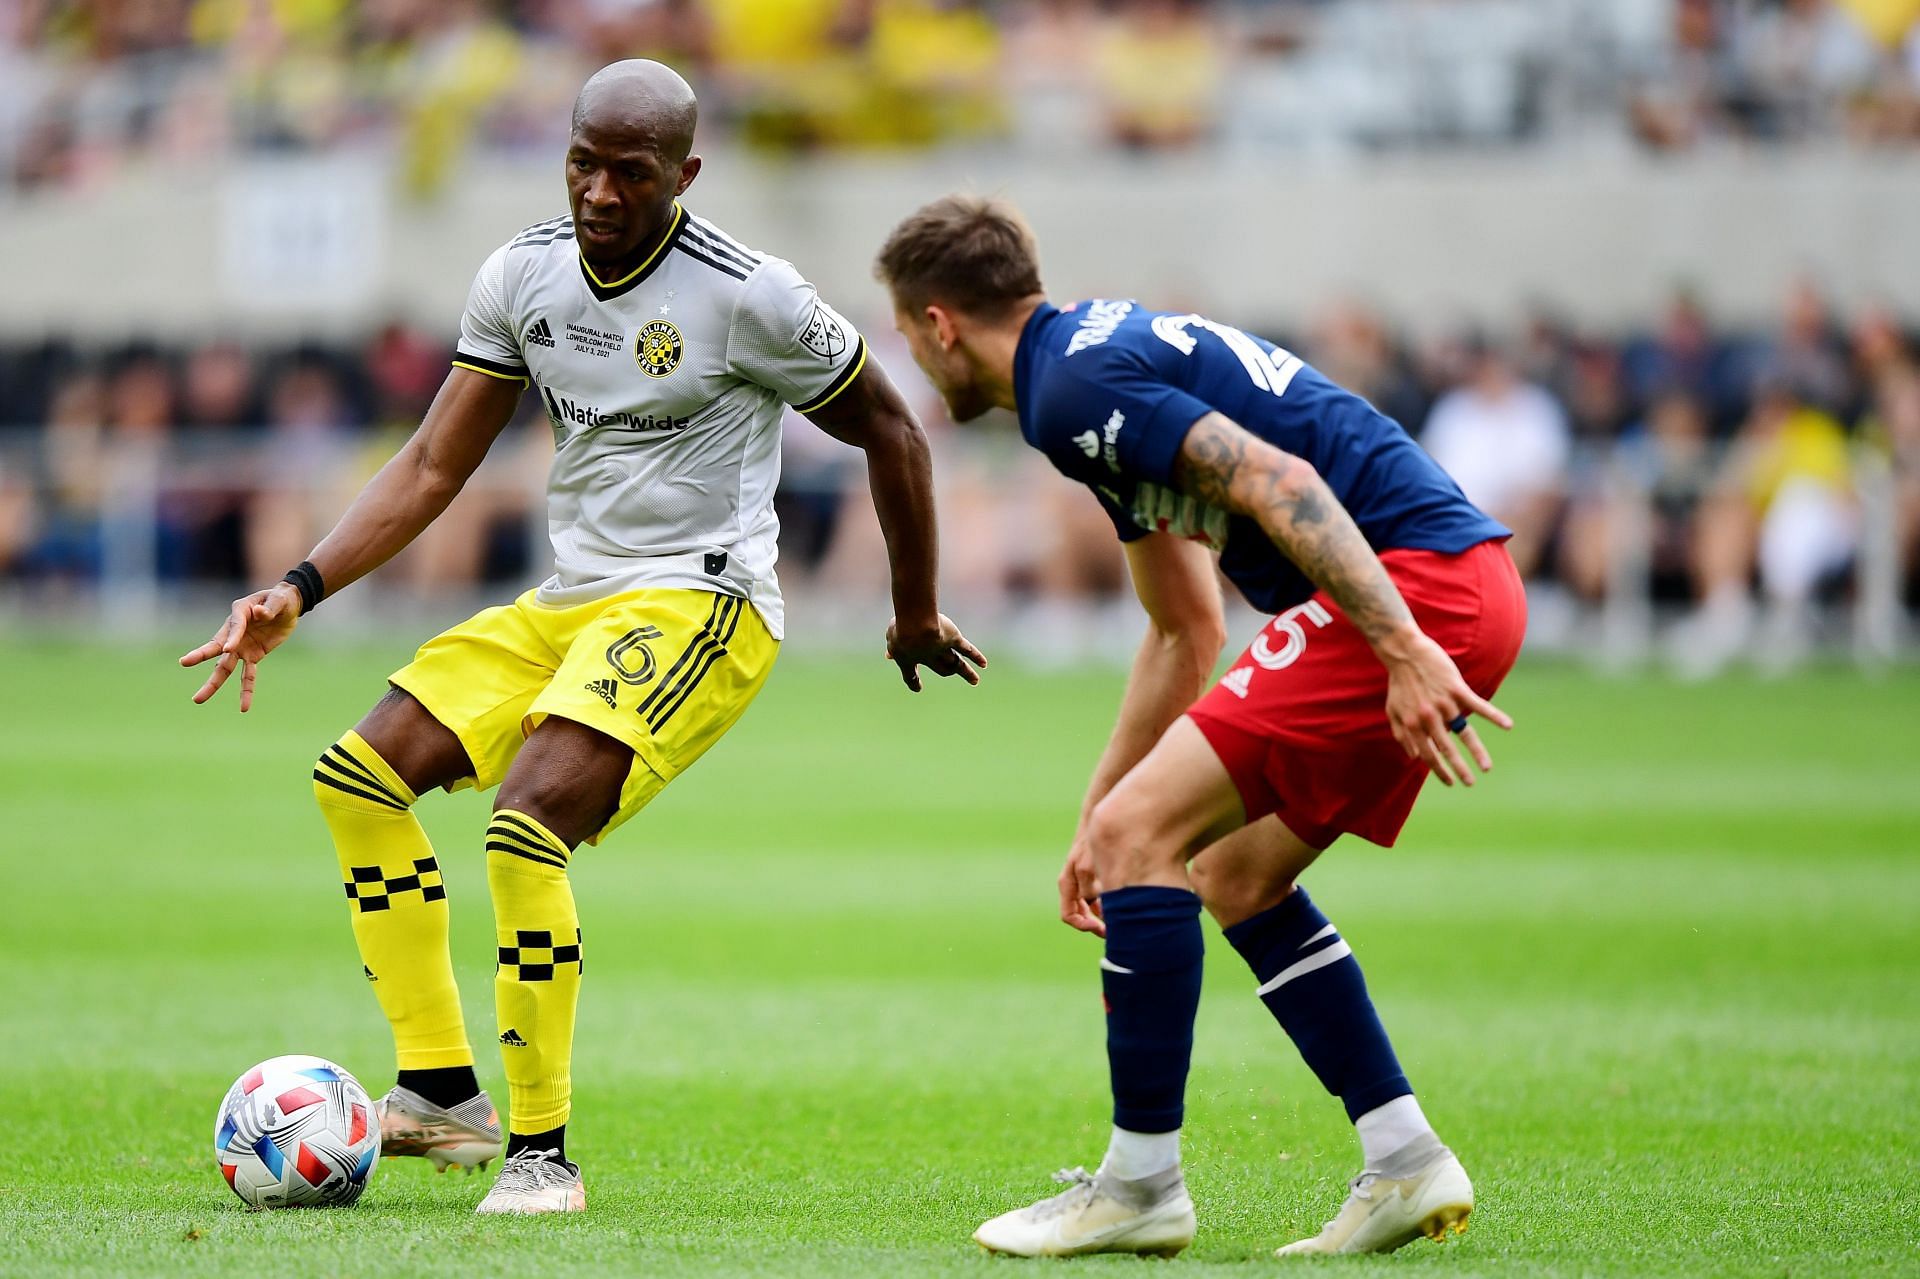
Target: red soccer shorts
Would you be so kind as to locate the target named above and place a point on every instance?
(1300, 722)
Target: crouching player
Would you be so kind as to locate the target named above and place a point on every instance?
(1398, 613)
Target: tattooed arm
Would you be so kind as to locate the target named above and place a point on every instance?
(1225, 466)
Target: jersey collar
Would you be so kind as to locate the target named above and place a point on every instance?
(636, 277)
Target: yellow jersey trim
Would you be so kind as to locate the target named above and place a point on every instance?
(666, 241)
(840, 385)
(504, 377)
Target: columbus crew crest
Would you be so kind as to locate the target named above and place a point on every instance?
(657, 349)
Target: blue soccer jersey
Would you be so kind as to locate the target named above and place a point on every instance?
(1108, 390)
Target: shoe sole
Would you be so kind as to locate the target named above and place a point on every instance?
(1166, 1252)
(469, 1157)
(1166, 1248)
(579, 1205)
(1441, 1223)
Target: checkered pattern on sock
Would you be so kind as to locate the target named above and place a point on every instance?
(397, 901)
(536, 985)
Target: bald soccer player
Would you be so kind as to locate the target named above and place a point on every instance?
(664, 352)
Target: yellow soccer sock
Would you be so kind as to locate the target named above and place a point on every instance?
(537, 984)
(398, 901)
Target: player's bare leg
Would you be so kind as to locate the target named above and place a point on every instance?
(564, 786)
(366, 784)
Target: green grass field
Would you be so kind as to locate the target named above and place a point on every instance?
(1658, 982)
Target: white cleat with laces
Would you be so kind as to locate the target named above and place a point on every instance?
(536, 1181)
(1097, 1213)
(1421, 1190)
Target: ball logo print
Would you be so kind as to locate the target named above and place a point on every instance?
(658, 348)
(1288, 626)
(297, 1132)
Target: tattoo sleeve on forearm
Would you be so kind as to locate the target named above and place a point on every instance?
(1224, 466)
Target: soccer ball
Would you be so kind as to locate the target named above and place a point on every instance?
(297, 1132)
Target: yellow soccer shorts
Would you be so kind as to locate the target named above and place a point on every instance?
(665, 671)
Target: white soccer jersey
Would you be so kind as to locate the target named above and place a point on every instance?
(665, 390)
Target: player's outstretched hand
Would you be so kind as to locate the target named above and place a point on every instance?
(258, 624)
(940, 648)
(1428, 703)
(1080, 892)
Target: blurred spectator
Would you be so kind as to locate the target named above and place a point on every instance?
(404, 369)
(1891, 427)
(76, 460)
(1686, 355)
(1680, 93)
(218, 388)
(1809, 353)
(303, 486)
(1782, 507)
(1506, 442)
(1800, 62)
(1158, 67)
(1351, 345)
(1665, 465)
(677, 32)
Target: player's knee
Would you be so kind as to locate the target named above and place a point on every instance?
(572, 803)
(1232, 894)
(568, 777)
(350, 774)
(1126, 846)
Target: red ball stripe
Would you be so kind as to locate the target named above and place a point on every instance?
(311, 1166)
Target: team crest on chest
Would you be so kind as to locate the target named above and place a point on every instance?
(658, 348)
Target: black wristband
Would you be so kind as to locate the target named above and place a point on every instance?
(306, 579)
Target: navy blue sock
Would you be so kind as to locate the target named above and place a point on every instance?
(1151, 978)
(1311, 983)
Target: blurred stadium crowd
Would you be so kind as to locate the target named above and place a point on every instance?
(1729, 468)
(90, 85)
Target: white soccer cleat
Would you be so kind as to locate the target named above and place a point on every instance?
(466, 1136)
(1384, 1211)
(1097, 1213)
(536, 1181)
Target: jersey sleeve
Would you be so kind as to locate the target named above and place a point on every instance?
(786, 338)
(1115, 413)
(489, 342)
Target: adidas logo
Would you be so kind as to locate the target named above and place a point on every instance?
(1089, 443)
(511, 1038)
(369, 972)
(607, 690)
(540, 334)
(1236, 682)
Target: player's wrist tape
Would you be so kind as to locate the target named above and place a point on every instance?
(307, 580)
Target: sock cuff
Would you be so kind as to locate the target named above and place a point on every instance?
(1295, 919)
(1152, 929)
(1151, 903)
(514, 834)
(351, 767)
